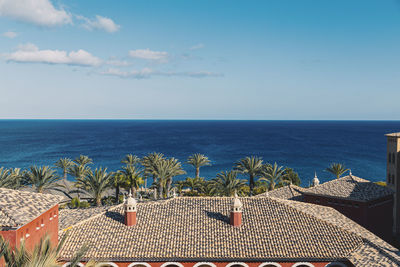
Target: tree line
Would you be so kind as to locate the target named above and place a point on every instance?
(135, 172)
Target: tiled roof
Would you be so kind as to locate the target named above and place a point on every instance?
(350, 187)
(20, 207)
(68, 217)
(191, 228)
(373, 252)
(291, 192)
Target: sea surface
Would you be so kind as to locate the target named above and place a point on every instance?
(305, 146)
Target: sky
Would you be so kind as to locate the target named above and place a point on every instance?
(258, 60)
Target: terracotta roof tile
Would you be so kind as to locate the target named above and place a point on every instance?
(291, 192)
(350, 187)
(198, 228)
(20, 207)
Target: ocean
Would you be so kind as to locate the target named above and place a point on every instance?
(305, 146)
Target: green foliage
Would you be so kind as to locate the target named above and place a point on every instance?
(41, 178)
(10, 178)
(292, 176)
(252, 167)
(197, 161)
(274, 176)
(131, 160)
(43, 255)
(96, 183)
(83, 160)
(227, 184)
(164, 170)
(75, 203)
(337, 169)
(64, 164)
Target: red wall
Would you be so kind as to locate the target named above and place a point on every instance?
(50, 227)
(376, 215)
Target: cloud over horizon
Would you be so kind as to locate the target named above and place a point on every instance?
(148, 73)
(148, 54)
(30, 53)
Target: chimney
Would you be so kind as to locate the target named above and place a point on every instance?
(130, 210)
(236, 212)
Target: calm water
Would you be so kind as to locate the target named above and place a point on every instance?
(306, 146)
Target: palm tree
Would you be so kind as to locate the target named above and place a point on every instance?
(41, 178)
(194, 184)
(149, 162)
(43, 255)
(175, 169)
(337, 169)
(64, 164)
(274, 175)
(83, 160)
(132, 176)
(6, 180)
(164, 171)
(131, 160)
(252, 167)
(226, 184)
(197, 161)
(118, 181)
(79, 172)
(96, 183)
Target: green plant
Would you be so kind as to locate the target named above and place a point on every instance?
(251, 166)
(337, 169)
(197, 161)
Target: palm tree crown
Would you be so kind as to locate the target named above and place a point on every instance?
(252, 167)
(41, 178)
(64, 164)
(197, 161)
(226, 184)
(274, 175)
(96, 183)
(337, 169)
(83, 160)
(131, 160)
(132, 176)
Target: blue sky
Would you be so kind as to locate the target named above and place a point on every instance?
(281, 59)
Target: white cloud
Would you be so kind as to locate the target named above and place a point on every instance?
(118, 63)
(100, 23)
(39, 12)
(30, 53)
(147, 73)
(148, 54)
(196, 47)
(10, 34)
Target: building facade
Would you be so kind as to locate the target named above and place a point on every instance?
(393, 175)
(28, 217)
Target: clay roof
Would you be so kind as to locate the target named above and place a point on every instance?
(291, 192)
(197, 228)
(68, 217)
(373, 252)
(20, 207)
(350, 187)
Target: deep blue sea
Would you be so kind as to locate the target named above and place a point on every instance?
(305, 146)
